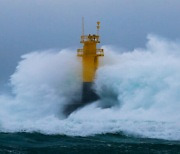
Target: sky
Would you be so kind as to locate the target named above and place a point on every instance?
(30, 25)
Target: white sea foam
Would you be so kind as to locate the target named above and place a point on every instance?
(140, 88)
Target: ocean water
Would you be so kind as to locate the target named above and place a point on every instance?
(107, 143)
(138, 109)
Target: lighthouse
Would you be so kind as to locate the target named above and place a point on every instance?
(89, 55)
(90, 61)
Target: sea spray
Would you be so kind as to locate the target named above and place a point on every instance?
(42, 84)
(145, 80)
(139, 93)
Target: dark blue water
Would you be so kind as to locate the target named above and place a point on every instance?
(107, 143)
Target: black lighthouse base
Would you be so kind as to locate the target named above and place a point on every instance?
(88, 96)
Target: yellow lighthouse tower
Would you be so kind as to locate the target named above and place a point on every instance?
(90, 55)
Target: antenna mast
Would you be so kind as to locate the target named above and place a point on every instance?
(82, 26)
(98, 27)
